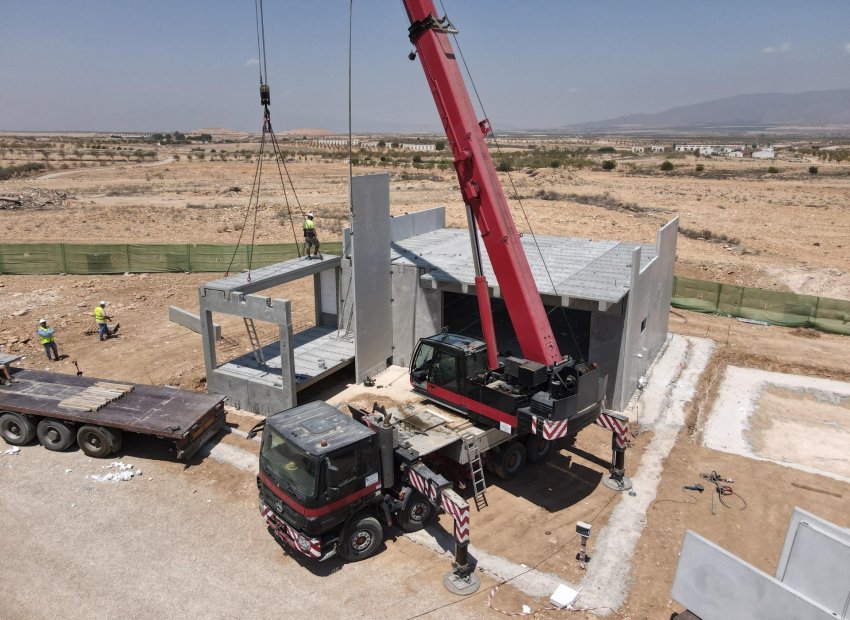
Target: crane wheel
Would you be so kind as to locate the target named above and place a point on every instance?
(16, 429)
(538, 449)
(509, 461)
(360, 539)
(416, 515)
(54, 435)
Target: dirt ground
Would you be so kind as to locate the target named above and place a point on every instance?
(190, 541)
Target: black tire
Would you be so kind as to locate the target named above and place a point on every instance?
(509, 461)
(54, 435)
(538, 449)
(98, 441)
(361, 539)
(417, 514)
(16, 429)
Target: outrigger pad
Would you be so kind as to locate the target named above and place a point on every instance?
(462, 586)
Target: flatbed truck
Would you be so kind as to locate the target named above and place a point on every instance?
(61, 410)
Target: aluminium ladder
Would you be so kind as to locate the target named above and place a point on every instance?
(473, 454)
(255, 341)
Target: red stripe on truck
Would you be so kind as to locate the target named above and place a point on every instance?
(472, 405)
(317, 512)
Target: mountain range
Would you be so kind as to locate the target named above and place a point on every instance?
(826, 109)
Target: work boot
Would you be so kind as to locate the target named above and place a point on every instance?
(13, 380)
(7, 382)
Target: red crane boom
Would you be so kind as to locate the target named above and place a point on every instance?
(481, 190)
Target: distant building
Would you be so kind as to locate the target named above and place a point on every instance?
(335, 142)
(419, 147)
(735, 154)
(638, 149)
(764, 154)
(656, 148)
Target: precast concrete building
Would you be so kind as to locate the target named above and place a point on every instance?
(404, 277)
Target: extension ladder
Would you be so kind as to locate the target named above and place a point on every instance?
(473, 454)
(255, 341)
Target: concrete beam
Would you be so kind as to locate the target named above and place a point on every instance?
(273, 275)
(186, 319)
(254, 307)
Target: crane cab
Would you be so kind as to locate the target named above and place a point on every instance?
(452, 370)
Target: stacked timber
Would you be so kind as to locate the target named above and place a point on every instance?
(96, 396)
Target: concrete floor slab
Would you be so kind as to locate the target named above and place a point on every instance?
(796, 421)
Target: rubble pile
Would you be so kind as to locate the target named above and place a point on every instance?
(34, 198)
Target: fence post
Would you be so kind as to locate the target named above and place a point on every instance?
(129, 262)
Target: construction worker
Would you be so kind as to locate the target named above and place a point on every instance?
(102, 320)
(45, 334)
(7, 378)
(310, 237)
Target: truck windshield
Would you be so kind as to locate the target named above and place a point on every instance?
(287, 462)
(422, 359)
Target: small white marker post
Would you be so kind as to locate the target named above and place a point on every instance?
(583, 530)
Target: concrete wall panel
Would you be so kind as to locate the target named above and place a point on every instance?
(417, 312)
(370, 247)
(715, 585)
(815, 560)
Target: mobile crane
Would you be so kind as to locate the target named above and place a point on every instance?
(538, 398)
(331, 483)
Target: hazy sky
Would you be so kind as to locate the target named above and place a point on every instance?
(185, 64)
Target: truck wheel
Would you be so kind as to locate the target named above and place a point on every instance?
(416, 514)
(97, 441)
(538, 449)
(361, 539)
(54, 435)
(16, 429)
(509, 461)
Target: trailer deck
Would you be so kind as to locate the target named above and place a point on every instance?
(188, 418)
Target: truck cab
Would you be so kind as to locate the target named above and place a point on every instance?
(318, 467)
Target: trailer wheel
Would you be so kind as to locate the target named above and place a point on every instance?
(98, 441)
(538, 449)
(54, 435)
(509, 461)
(361, 539)
(16, 429)
(416, 514)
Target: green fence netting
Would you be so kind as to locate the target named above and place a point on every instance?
(88, 258)
(774, 307)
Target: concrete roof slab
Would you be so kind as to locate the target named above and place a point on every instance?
(572, 268)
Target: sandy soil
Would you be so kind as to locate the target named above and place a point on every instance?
(791, 230)
(785, 231)
(783, 415)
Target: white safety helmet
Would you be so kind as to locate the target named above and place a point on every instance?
(42, 321)
(103, 303)
(310, 215)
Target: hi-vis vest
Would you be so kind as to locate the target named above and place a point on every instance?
(309, 228)
(98, 315)
(45, 334)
